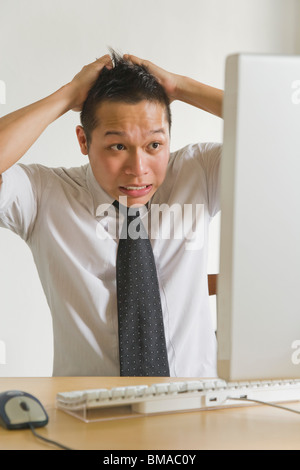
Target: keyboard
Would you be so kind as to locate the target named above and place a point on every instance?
(141, 400)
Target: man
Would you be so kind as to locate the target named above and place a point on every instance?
(65, 216)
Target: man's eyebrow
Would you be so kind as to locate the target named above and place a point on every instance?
(114, 133)
(121, 133)
(158, 131)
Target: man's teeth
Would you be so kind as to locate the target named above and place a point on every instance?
(135, 187)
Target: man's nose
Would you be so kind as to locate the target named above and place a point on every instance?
(137, 164)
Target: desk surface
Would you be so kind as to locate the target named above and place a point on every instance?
(250, 427)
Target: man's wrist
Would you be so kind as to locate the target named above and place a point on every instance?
(181, 88)
(69, 96)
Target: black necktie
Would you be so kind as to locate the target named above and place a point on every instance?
(142, 342)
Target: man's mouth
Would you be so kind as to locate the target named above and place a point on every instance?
(135, 190)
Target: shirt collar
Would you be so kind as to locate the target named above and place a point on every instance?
(100, 197)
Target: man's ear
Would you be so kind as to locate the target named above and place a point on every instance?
(82, 140)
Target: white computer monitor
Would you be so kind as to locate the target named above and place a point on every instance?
(258, 302)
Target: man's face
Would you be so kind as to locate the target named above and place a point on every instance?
(129, 149)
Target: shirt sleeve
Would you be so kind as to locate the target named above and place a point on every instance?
(19, 199)
(209, 155)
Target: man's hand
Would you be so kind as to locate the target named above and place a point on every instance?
(84, 80)
(182, 88)
(169, 81)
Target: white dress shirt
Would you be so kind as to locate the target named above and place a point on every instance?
(68, 222)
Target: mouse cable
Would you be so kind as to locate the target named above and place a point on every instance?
(39, 436)
(264, 403)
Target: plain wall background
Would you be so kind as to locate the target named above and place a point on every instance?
(45, 43)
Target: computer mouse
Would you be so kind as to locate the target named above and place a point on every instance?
(19, 410)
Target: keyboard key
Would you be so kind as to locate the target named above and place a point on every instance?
(194, 385)
(218, 384)
(181, 386)
(118, 392)
(92, 395)
(71, 397)
(161, 388)
(208, 385)
(130, 391)
(140, 390)
(104, 394)
(174, 387)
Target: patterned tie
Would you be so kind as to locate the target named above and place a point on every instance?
(142, 342)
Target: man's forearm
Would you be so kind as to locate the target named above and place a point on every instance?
(20, 129)
(202, 96)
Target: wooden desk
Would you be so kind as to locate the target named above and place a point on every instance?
(251, 427)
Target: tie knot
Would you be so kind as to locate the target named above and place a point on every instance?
(131, 213)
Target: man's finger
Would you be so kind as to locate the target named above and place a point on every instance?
(106, 60)
(135, 60)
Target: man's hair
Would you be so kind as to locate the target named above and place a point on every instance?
(125, 82)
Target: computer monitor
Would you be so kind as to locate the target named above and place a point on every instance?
(258, 301)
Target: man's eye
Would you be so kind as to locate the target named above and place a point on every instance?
(155, 145)
(117, 147)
